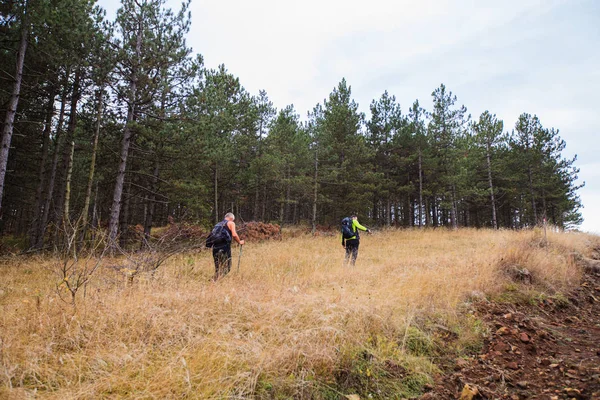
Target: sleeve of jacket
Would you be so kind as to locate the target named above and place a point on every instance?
(357, 225)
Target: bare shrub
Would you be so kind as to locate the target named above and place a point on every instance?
(156, 249)
(75, 267)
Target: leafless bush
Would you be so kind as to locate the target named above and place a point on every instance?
(76, 266)
(155, 250)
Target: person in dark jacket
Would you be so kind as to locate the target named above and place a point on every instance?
(222, 251)
(351, 244)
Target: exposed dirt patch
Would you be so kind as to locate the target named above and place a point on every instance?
(546, 350)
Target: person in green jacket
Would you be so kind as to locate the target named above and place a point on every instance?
(351, 244)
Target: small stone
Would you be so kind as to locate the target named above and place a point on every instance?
(508, 316)
(524, 338)
(577, 350)
(553, 365)
(572, 392)
(468, 393)
(545, 362)
(523, 384)
(501, 346)
(502, 331)
(512, 365)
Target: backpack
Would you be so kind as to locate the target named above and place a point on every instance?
(347, 232)
(220, 235)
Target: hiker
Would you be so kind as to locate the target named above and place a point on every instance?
(351, 237)
(220, 241)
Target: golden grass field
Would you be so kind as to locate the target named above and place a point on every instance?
(293, 323)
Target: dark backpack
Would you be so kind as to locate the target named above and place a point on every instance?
(347, 232)
(220, 235)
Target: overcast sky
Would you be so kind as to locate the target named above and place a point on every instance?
(509, 57)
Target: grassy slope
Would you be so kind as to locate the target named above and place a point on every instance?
(293, 323)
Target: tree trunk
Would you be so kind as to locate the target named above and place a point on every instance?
(420, 188)
(256, 200)
(151, 201)
(66, 216)
(454, 210)
(115, 211)
(39, 194)
(434, 211)
(281, 215)
(58, 138)
(75, 96)
(90, 183)
(375, 211)
(11, 109)
(95, 214)
(533, 205)
(287, 195)
(411, 211)
(315, 194)
(216, 184)
(295, 218)
(406, 211)
(427, 213)
(388, 212)
(264, 204)
(125, 215)
(491, 184)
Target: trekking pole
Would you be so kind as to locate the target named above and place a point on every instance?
(240, 258)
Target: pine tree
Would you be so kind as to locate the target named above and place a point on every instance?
(347, 179)
(386, 122)
(445, 127)
(488, 131)
(151, 35)
(417, 127)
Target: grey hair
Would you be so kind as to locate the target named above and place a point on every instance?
(229, 215)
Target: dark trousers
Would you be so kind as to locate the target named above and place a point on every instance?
(351, 250)
(222, 257)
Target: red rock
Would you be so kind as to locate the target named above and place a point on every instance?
(572, 392)
(501, 346)
(502, 331)
(512, 365)
(523, 384)
(524, 338)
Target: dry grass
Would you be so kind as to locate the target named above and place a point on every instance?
(292, 323)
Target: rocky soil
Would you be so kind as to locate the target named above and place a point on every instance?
(546, 350)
